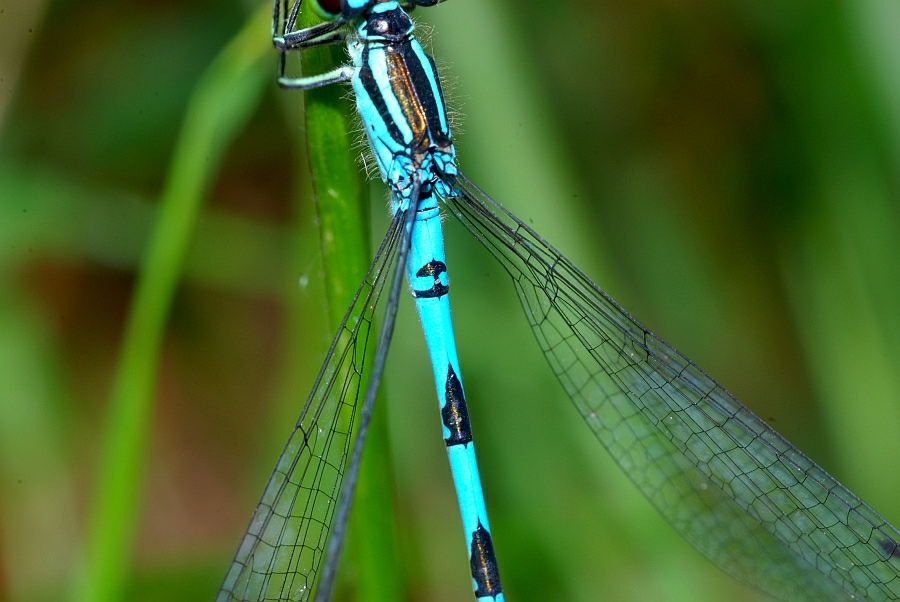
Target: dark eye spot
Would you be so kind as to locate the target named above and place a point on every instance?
(330, 7)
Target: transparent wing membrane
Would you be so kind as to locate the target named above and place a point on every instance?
(739, 492)
(280, 554)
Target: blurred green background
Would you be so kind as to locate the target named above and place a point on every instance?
(728, 170)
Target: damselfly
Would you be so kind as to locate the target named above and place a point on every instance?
(739, 492)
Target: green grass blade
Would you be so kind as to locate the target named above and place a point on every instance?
(224, 98)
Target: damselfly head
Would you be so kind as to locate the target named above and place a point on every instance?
(390, 24)
(346, 9)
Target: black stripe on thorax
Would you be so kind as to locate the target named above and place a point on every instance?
(370, 85)
(414, 93)
(440, 136)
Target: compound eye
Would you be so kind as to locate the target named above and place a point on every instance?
(327, 9)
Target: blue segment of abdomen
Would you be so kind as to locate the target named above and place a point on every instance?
(426, 269)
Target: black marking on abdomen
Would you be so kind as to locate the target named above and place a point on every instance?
(890, 547)
(484, 564)
(433, 268)
(454, 413)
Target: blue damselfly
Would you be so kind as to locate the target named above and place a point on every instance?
(734, 488)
